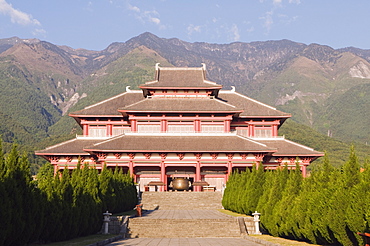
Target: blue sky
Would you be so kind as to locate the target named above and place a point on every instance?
(97, 23)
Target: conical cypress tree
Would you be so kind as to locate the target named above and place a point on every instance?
(345, 195)
(14, 188)
(275, 193)
(65, 197)
(31, 206)
(290, 193)
(92, 186)
(351, 170)
(316, 199)
(228, 196)
(255, 188)
(2, 160)
(106, 189)
(262, 206)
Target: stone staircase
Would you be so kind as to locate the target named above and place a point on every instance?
(183, 215)
(181, 200)
(168, 228)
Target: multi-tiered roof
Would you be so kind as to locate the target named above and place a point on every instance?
(184, 100)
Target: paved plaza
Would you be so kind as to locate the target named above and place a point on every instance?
(186, 241)
(185, 214)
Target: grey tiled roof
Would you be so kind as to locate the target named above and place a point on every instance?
(288, 148)
(134, 100)
(74, 147)
(110, 106)
(181, 105)
(162, 143)
(250, 106)
(180, 77)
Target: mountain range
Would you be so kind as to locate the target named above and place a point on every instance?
(324, 88)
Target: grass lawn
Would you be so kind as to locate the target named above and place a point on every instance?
(282, 241)
(228, 212)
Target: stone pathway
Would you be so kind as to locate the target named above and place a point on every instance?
(186, 241)
(184, 214)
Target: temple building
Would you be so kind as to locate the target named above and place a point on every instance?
(180, 125)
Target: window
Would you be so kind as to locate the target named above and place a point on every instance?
(118, 130)
(263, 132)
(148, 128)
(212, 128)
(243, 131)
(180, 128)
(97, 131)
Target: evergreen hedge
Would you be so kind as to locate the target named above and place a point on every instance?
(329, 207)
(57, 207)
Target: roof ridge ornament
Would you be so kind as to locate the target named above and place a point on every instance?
(157, 66)
(232, 88)
(204, 66)
(128, 88)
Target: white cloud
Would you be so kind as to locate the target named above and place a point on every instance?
(285, 19)
(277, 2)
(191, 29)
(155, 20)
(133, 8)
(38, 32)
(147, 16)
(235, 33)
(17, 16)
(277, 5)
(251, 29)
(268, 21)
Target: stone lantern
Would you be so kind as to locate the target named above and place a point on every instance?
(106, 222)
(256, 219)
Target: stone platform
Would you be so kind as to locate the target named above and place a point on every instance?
(183, 218)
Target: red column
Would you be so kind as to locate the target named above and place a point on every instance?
(227, 126)
(274, 130)
(85, 130)
(131, 168)
(197, 125)
(134, 125)
(109, 130)
(304, 171)
(163, 176)
(229, 169)
(163, 126)
(197, 176)
(251, 130)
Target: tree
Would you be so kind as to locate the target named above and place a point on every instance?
(254, 188)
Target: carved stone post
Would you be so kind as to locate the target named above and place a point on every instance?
(106, 222)
(256, 220)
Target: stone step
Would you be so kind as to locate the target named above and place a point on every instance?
(249, 224)
(184, 215)
(178, 228)
(181, 200)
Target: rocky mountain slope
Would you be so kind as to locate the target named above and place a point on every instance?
(324, 88)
